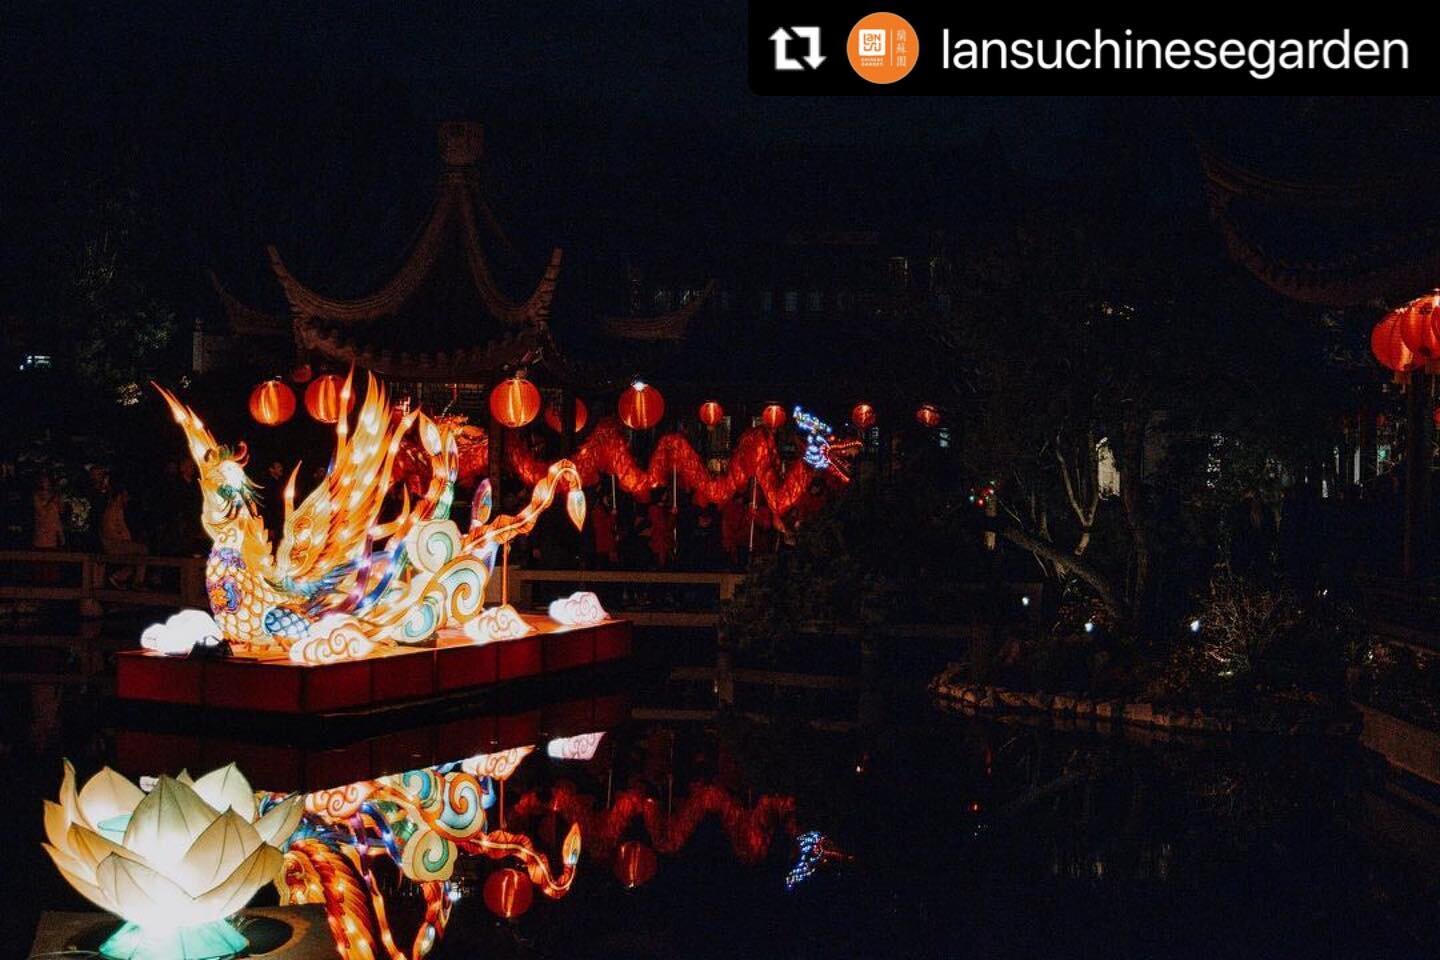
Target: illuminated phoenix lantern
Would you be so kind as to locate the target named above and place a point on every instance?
(343, 581)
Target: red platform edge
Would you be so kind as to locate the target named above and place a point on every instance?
(285, 768)
(282, 687)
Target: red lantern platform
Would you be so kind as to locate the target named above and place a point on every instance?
(454, 666)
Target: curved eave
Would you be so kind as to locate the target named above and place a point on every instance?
(474, 363)
(245, 319)
(454, 200)
(667, 326)
(1399, 269)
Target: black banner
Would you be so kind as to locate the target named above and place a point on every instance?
(802, 49)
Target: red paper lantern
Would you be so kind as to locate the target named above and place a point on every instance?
(302, 373)
(322, 398)
(1388, 347)
(773, 416)
(711, 413)
(554, 415)
(928, 416)
(635, 864)
(1419, 322)
(515, 402)
(508, 892)
(641, 406)
(272, 403)
(863, 416)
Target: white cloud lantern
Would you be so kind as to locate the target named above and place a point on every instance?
(173, 863)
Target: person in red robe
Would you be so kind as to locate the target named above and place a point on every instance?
(662, 534)
(607, 547)
(734, 528)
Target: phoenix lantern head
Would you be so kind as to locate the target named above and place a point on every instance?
(172, 863)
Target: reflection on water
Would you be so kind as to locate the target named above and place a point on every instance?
(954, 836)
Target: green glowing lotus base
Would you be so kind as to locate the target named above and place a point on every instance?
(204, 941)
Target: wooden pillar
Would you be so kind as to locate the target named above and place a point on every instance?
(567, 422)
(1419, 428)
(496, 437)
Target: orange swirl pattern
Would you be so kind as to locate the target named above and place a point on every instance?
(339, 880)
(444, 809)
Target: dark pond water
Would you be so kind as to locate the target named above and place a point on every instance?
(967, 837)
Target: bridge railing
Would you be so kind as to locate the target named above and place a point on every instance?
(648, 597)
(36, 575)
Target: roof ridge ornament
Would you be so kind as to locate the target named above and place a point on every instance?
(462, 142)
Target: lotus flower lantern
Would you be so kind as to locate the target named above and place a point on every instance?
(173, 863)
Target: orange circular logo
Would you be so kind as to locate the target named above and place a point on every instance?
(883, 47)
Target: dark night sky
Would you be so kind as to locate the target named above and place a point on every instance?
(615, 131)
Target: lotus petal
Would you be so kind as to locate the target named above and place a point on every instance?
(216, 852)
(57, 823)
(87, 888)
(90, 848)
(68, 799)
(106, 795)
(281, 820)
(232, 893)
(146, 896)
(184, 777)
(70, 862)
(167, 822)
(227, 787)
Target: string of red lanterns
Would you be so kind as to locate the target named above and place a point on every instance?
(516, 402)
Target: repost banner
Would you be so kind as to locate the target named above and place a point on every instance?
(800, 50)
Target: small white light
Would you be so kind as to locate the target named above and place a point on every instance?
(1089, 626)
(1024, 601)
(638, 386)
(1195, 625)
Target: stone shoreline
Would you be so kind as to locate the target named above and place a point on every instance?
(951, 689)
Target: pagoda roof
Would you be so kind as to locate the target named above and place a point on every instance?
(442, 314)
(1330, 243)
(247, 320)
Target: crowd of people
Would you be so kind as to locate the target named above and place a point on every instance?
(98, 513)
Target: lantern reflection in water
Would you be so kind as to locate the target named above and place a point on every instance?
(421, 822)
